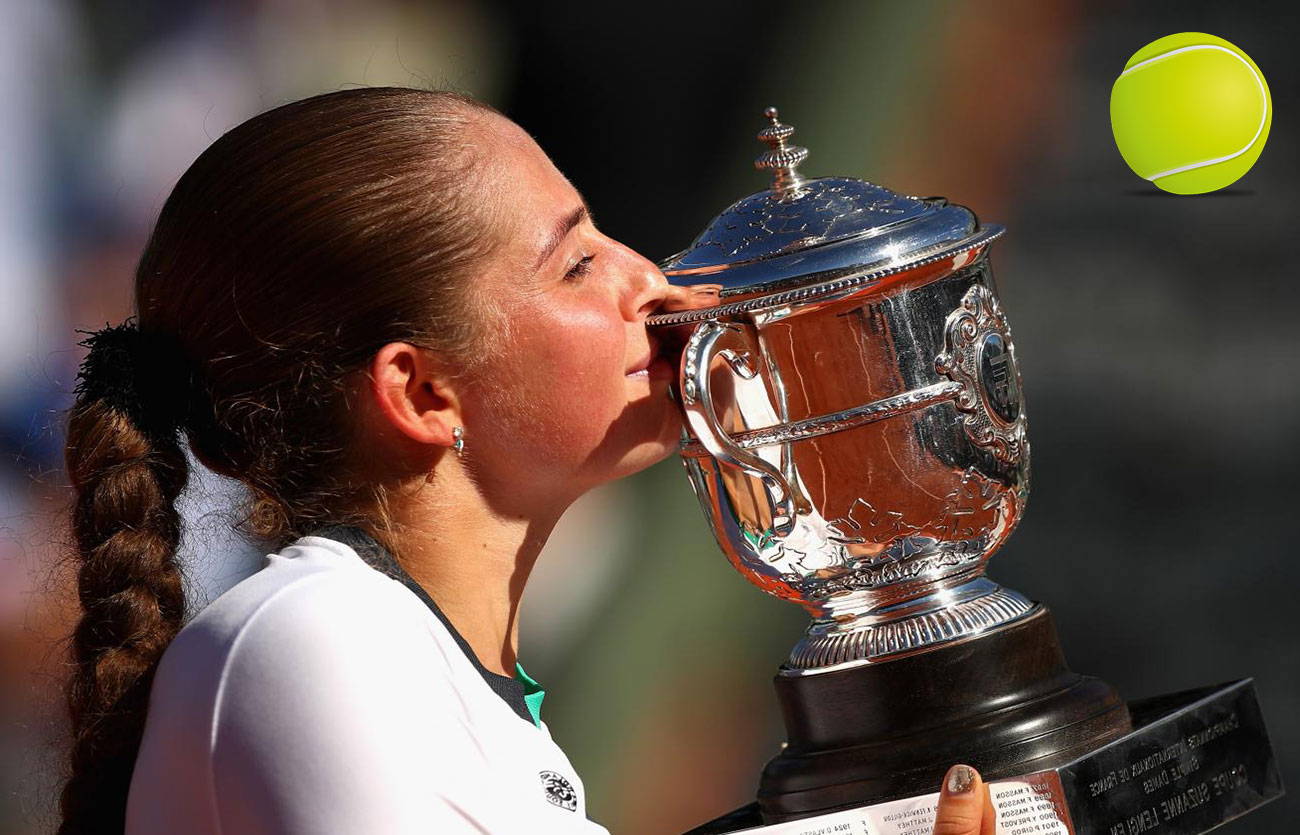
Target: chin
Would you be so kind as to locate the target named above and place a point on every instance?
(644, 432)
(639, 459)
(650, 449)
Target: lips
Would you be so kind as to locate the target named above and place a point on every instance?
(659, 361)
(652, 351)
(660, 367)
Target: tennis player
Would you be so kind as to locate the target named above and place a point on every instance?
(387, 314)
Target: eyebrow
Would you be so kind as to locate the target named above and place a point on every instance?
(561, 229)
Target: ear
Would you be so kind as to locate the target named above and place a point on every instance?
(413, 394)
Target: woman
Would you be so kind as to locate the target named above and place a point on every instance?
(389, 315)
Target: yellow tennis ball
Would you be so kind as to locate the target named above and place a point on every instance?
(1190, 113)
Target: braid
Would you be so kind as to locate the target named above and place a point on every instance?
(127, 531)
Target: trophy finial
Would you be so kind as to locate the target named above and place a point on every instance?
(781, 159)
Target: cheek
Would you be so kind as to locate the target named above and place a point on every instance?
(562, 383)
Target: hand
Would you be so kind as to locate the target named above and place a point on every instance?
(964, 804)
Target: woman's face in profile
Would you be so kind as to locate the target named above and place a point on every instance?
(573, 391)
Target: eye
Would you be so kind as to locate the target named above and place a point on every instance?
(579, 269)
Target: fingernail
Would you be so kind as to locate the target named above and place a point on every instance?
(960, 779)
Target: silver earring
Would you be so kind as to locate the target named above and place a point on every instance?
(458, 440)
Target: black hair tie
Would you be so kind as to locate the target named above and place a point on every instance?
(140, 373)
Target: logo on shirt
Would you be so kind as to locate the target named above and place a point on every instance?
(559, 791)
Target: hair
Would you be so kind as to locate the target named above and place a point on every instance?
(289, 252)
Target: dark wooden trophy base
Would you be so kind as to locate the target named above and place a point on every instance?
(868, 746)
(1004, 702)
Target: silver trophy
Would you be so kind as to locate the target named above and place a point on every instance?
(858, 440)
(856, 435)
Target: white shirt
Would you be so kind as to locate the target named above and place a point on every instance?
(323, 696)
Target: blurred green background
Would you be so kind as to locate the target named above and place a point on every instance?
(1157, 334)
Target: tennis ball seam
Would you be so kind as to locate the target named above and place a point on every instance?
(1263, 95)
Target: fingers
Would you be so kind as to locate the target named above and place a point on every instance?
(964, 805)
(690, 297)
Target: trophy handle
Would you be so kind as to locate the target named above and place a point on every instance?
(697, 402)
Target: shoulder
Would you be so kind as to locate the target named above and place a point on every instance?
(345, 650)
(319, 695)
(315, 606)
(283, 670)
(313, 619)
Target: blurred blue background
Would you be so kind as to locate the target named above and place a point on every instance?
(1158, 335)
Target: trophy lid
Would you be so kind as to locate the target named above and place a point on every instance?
(807, 233)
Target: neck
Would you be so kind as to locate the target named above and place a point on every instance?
(474, 561)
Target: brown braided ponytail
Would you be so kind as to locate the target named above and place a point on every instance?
(292, 249)
(127, 471)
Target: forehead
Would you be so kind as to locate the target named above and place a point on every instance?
(523, 172)
(524, 194)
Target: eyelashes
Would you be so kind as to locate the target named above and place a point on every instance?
(580, 269)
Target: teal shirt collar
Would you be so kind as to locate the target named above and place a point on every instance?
(533, 694)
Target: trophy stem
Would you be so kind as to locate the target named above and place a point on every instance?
(1005, 703)
(857, 629)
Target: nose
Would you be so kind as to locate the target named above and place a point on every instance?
(646, 288)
